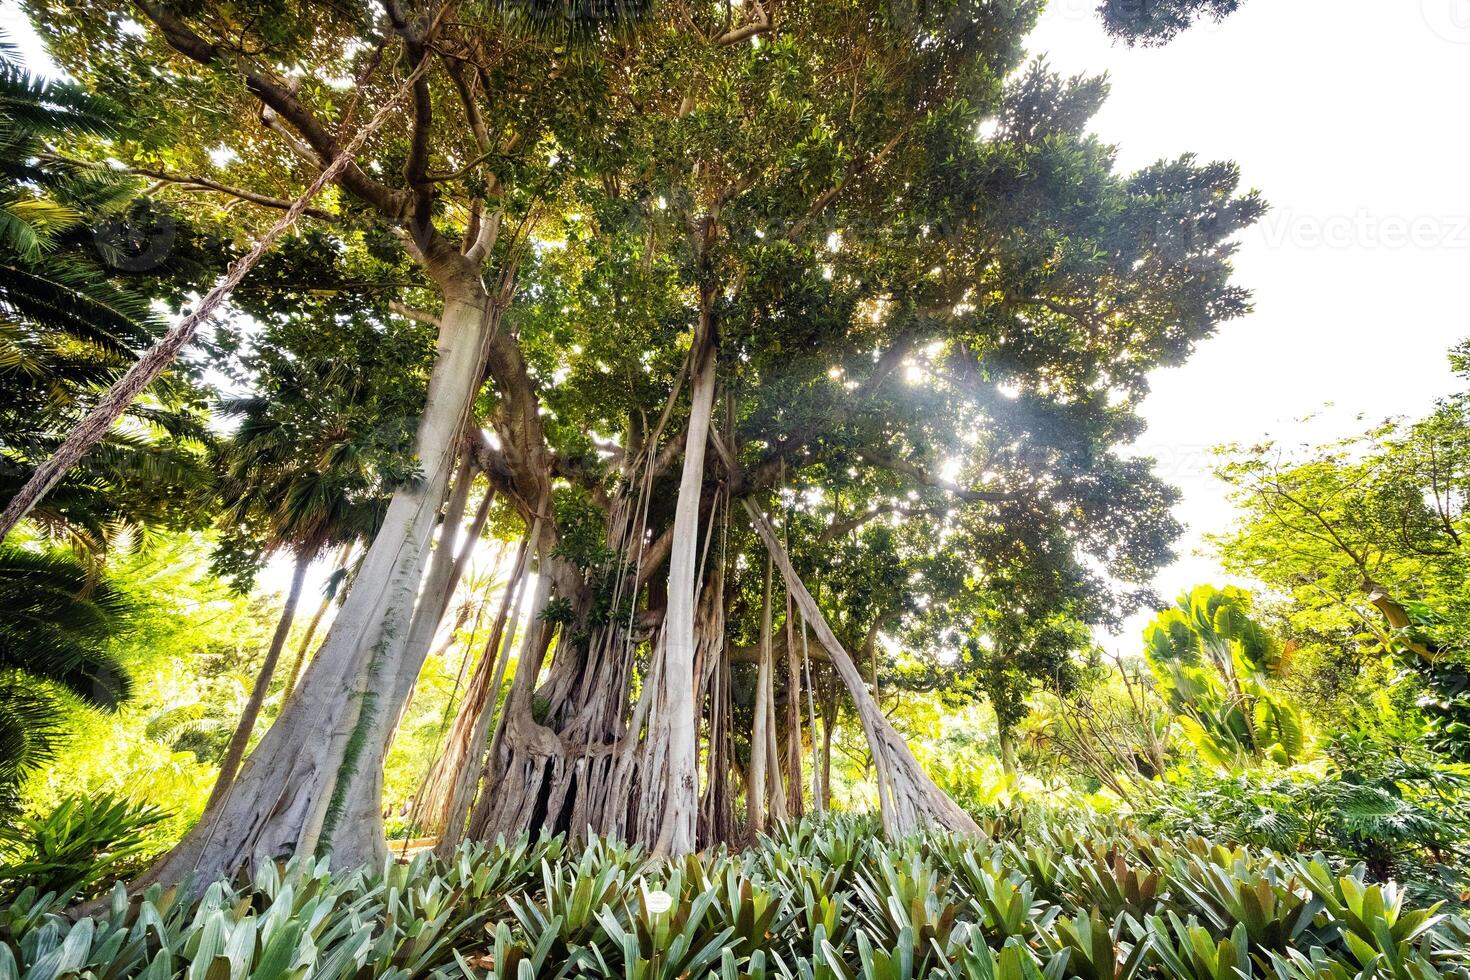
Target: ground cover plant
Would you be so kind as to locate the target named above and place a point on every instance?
(819, 899)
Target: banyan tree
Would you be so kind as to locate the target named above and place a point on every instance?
(717, 288)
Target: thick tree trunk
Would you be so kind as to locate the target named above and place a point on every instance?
(587, 759)
(577, 763)
(676, 721)
(315, 779)
(1007, 749)
(908, 797)
(512, 796)
(241, 738)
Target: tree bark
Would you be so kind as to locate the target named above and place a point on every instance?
(818, 803)
(677, 714)
(512, 792)
(793, 716)
(246, 726)
(314, 781)
(908, 797)
(829, 722)
(1007, 749)
(1397, 618)
(775, 790)
(449, 787)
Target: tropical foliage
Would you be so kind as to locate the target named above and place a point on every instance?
(820, 899)
(715, 426)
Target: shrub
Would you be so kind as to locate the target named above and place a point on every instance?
(84, 841)
(1399, 819)
(1088, 900)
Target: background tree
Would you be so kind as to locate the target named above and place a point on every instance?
(1364, 536)
(1160, 21)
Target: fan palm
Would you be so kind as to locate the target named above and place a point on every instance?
(67, 330)
(293, 479)
(57, 620)
(1215, 662)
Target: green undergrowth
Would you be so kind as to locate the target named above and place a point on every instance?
(820, 900)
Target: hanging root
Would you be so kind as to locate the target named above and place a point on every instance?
(908, 797)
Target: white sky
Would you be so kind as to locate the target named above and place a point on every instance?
(1348, 116)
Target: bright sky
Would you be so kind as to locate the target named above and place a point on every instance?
(1347, 115)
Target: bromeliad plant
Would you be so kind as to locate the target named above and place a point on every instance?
(825, 900)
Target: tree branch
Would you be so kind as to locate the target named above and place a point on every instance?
(761, 24)
(412, 313)
(199, 183)
(274, 93)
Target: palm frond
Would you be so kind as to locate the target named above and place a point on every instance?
(55, 620)
(30, 731)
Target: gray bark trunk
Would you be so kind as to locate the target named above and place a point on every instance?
(316, 777)
(676, 716)
(776, 791)
(755, 792)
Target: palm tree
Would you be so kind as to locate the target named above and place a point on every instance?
(292, 479)
(57, 619)
(1215, 664)
(68, 329)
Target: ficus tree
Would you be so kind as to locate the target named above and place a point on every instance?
(429, 193)
(726, 251)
